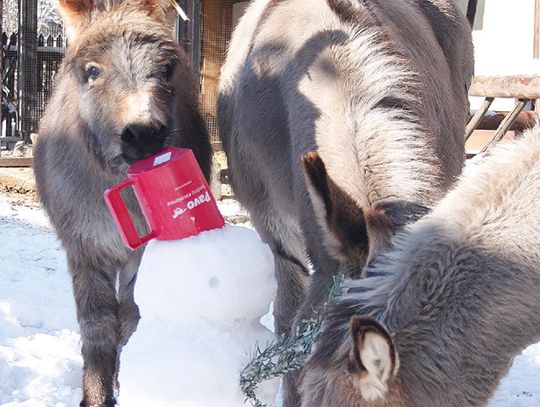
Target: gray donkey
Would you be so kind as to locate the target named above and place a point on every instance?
(379, 89)
(440, 317)
(123, 93)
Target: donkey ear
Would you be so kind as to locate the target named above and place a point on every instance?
(164, 10)
(74, 13)
(373, 360)
(338, 215)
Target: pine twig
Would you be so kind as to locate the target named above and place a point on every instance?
(286, 354)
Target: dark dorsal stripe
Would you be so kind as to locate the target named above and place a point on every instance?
(390, 102)
(440, 23)
(348, 13)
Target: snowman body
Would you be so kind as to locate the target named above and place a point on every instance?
(201, 300)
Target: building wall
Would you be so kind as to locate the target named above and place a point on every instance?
(505, 44)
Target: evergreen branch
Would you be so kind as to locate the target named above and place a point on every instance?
(286, 354)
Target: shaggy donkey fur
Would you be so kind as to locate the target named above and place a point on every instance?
(379, 89)
(439, 318)
(124, 92)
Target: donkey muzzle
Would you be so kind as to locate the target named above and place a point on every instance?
(142, 140)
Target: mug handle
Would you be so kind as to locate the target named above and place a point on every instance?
(121, 216)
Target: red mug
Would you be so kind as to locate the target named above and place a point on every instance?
(174, 197)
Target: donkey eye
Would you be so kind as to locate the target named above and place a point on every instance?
(92, 73)
(166, 72)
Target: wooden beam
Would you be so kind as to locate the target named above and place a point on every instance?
(477, 118)
(15, 162)
(507, 123)
(516, 87)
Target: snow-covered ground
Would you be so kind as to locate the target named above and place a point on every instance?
(40, 365)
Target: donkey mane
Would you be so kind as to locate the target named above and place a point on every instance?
(391, 98)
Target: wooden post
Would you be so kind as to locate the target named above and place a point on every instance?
(506, 123)
(189, 34)
(27, 68)
(477, 118)
(471, 11)
(537, 29)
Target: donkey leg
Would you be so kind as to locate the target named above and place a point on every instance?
(319, 288)
(128, 311)
(292, 275)
(290, 262)
(97, 308)
(319, 285)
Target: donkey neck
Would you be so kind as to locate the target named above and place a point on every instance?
(460, 311)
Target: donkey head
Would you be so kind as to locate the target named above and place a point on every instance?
(354, 235)
(361, 372)
(126, 68)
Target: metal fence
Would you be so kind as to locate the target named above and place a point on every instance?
(33, 44)
(50, 51)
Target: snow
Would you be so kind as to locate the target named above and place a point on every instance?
(200, 316)
(40, 363)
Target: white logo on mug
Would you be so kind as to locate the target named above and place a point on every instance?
(202, 198)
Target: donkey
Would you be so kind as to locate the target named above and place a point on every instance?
(440, 317)
(124, 92)
(379, 89)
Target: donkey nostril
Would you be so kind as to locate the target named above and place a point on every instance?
(163, 131)
(128, 136)
(143, 140)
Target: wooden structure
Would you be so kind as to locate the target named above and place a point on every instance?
(526, 91)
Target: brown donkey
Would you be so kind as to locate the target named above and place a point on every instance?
(124, 92)
(379, 89)
(440, 317)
